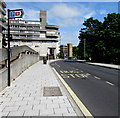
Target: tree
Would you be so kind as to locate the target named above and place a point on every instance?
(90, 33)
(102, 39)
(76, 52)
(61, 55)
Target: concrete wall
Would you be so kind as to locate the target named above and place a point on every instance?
(17, 67)
(41, 48)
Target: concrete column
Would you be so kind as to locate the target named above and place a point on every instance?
(43, 19)
(0, 40)
(55, 53)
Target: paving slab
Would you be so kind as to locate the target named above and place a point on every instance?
(25, 95)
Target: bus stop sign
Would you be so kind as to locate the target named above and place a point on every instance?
(17, 13)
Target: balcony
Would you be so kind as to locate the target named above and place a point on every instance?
(24, 24)
(23, 29)
(2, 18)
(3, 4)
(52, 27)
(34, 39)
(2, 10)
(25, 38)
(23, 33)
(3, 25)
(48, 35)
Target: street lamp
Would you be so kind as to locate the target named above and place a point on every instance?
(84, 48)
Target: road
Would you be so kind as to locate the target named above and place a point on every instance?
(96, 87)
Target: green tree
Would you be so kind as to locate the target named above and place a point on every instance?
(61, 55)
(76, 52)
(102, 39)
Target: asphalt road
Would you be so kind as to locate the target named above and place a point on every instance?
(96, 87)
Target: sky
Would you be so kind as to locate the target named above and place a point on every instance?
(69, 16)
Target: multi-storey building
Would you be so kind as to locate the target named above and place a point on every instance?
(67, 50)
(64, 49)
(2, 19)
(39, 35)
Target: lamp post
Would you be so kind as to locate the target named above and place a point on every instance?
(84, 48)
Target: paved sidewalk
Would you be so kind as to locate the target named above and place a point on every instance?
(105, 65)
(25, 96)
(113, 66)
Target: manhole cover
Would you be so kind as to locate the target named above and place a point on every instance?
(52, 91)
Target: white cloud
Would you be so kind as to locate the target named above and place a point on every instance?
(67, 37)
(66, 15)
(70, 22)
(31, 14)
(64, 11)
(103, 12)
(91, 14)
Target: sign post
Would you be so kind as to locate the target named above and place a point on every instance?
(18, 13)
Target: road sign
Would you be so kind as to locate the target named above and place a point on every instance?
(17, 13)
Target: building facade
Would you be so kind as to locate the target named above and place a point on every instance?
(2, 19)
(64, 49)
(38, 35)
(67, 50)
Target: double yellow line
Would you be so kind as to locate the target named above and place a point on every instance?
(81, 106)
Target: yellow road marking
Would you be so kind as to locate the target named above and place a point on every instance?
(96, 77)
(83, 75)
(64, 76)
(109, 83)
(61, 71)
(87, 74)
(77, 75)
(66, 71)
(81, 106)
(72, 75)
(76, 72)
(71, 71)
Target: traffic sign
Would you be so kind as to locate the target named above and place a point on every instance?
(17, 13)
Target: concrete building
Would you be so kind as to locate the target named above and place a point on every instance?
(64, 49)
(38, 35)
(70, 51)
(67, 50)
(2, 19)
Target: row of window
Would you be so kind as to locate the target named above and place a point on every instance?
(25, 22)
(25, 27)
(31, 36)
(21, 31)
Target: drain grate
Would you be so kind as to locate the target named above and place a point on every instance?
(52, 91)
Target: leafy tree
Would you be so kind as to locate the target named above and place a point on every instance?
(61, 55)
(76, 52)
(102, 39)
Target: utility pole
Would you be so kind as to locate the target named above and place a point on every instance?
(84, 48)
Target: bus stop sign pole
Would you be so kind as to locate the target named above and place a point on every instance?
(17, 13)
(8, 48)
